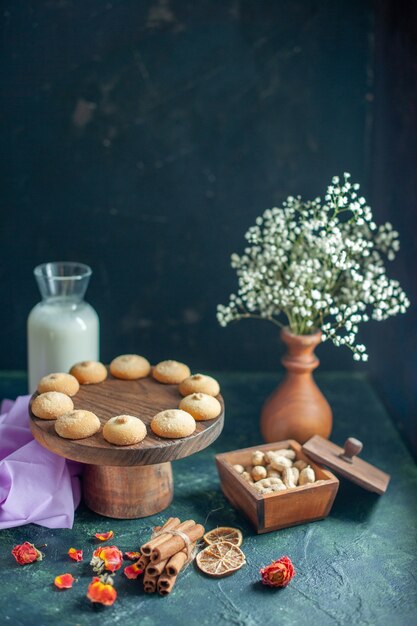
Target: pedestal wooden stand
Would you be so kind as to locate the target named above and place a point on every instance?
(130, 481)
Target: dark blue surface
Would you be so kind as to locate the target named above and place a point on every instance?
(356, 567)
(145, 137)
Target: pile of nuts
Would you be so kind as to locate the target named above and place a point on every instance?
(276, 470)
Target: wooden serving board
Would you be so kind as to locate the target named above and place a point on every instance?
(142, 398)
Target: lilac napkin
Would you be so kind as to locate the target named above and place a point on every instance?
(36, 486)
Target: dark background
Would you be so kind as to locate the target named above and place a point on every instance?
(144, 137)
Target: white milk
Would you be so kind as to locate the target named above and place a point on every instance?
(59, 335)
(63, 329)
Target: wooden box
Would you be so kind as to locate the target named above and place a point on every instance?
(273, 511)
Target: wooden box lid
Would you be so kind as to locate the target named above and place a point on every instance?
(344, 461)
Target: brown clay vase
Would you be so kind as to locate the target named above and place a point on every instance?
(297, 409)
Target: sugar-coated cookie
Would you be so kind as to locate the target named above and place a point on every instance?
(130, 367)
(89, 372)
(201, 406)
(173, 423)
(77, 425)
(170, 372)
(199, 383)
(51, 404)
(65, 383)
(124, 430)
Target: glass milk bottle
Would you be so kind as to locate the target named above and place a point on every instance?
(62, 329)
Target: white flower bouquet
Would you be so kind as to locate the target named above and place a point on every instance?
(314, 265)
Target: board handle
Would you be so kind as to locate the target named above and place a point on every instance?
(352, 447)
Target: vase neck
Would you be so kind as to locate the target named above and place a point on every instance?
(300, 357)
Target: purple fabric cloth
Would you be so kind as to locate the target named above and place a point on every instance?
(36, 486)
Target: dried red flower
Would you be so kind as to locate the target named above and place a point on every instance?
(279, 573)
(133, 556)
(102, 592)
(132, 571)
(64, 581)
(104, 536)
(26, 553)
(110, 557)
(76, 555)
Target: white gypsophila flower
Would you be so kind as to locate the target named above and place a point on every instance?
(318, 265)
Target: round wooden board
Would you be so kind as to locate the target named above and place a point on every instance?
(143, 398)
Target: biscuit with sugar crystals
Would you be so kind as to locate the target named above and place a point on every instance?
(58, 381)
(51, 404)
(170, 372)
(124, 430)
(130, 367)
(201, 406)
(199, 383)
(89, 372)
(77, 424)
(173, 423)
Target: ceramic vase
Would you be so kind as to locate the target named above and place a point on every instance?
(297, 409)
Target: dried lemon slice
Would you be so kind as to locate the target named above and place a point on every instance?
(224, 533)
(220, 559)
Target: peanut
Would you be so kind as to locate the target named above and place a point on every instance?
(280, 463)
(271, 472)
(246, 476)
(258, 458)
(275, 480)
(269, 482)
(289, 477)
(268, 456)
(264, 482)
(307, 476)
(258, 472)
(300, 464)
(269, 485)
(296, 474)
(278, 487)
(262, 488)
(289, 454)
(282, 452)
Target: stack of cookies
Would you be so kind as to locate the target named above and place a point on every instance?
(198, 404)
(56, 390)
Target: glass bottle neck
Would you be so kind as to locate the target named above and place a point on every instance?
(62, 299)
(62, 283)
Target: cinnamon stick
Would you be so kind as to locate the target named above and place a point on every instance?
(172, 566)
(165, 584)
(171, 523)
(165, 580)
(149, 582)
(176, 543)
(183, 526)
(176, 563)
(156, 569)
(143, 561)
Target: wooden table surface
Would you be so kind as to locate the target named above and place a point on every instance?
(358, 566)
